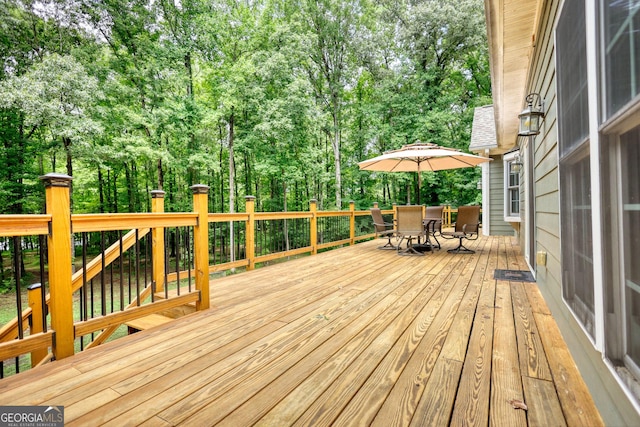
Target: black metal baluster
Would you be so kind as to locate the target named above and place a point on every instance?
(103, 291)
(153, 281)
(146, 261)
(17, 265)
(166, 264)
(111, 280)
(177, 246)
(189, 257)
(130, 271)
(43, 293)
(120, 260)
(137, 267)
(83, 289)
(17, 275)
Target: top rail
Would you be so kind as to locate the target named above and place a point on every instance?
(24, 225)
(82, 223)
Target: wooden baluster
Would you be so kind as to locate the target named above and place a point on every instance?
(57, 188)
(395, 214)
(313, 207)
(352, 222)
(250, 240)
(201, 244)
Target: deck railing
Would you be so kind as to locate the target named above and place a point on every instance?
(144, 263)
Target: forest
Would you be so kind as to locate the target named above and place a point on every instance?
(278, 99)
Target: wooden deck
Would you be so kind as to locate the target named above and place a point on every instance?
(354, 336)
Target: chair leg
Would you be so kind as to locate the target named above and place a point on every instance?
(437, 242)
(461, 249)
(388, 245)
(409, 250)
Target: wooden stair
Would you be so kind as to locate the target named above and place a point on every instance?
(147, 322)
(161, 318)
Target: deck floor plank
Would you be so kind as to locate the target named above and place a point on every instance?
(506, 381)
(354, 336)
(533, 360)
(543, 406)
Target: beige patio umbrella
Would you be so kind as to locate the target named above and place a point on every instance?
(419, 157)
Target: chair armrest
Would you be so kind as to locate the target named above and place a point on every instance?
(384, 224)
(464, 228)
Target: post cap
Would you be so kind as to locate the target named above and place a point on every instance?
(157, 194)
(249, 198)
(56, 180)
(200, 189)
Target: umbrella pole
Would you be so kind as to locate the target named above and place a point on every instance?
(419, 183)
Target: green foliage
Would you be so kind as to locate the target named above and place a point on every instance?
(135, 96)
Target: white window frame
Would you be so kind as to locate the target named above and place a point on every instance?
(508, 160)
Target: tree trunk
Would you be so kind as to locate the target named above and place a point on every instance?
(160, 175)
(221, 170)
(335, 143)
(67, 148)
(127, 173)
(232, 175)
(101, 189)
(232, 170)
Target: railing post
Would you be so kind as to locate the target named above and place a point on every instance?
(157, 236)
(395, 213)
(250, 239)
(201, 244)
(313, 207)
(57, 189)
(352, 222)
(34, 295)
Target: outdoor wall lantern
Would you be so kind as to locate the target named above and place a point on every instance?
(531, 117)
(516, 165)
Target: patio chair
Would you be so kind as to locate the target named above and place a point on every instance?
(409, 226)
(433, 222)
(466, 227)
(382, 228)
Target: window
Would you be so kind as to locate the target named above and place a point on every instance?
(575, 176)
(512, 168)
(577, 246)
(630, 209)
(622, 52)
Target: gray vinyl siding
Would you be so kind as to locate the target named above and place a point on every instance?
(611, 401)
(496, 199)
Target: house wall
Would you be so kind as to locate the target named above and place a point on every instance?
(498, 226)
(614, 405)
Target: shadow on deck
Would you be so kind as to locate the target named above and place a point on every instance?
(354, 336)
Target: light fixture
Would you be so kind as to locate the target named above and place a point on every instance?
(531, 117)
(516, 164)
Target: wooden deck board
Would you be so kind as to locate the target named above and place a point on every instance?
(354, 336)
